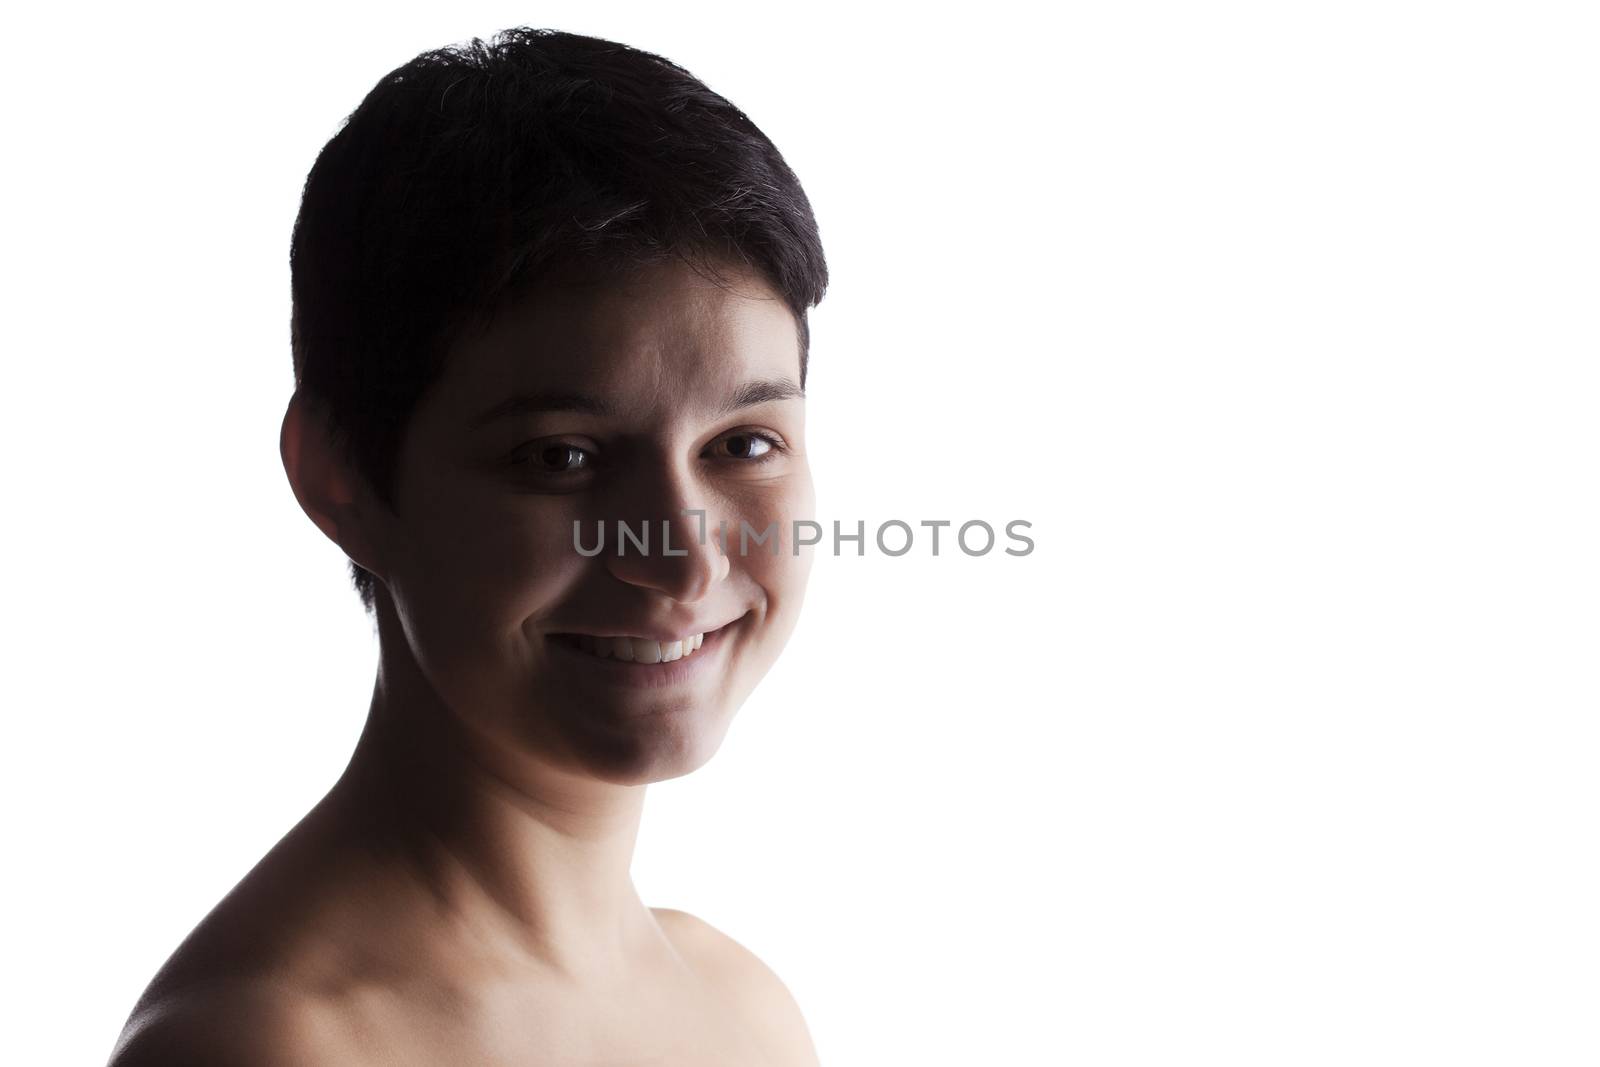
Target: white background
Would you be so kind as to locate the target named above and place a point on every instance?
(1278, 322)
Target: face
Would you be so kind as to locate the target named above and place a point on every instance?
(634, 400)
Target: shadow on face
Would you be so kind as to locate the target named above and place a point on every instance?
(635, 401)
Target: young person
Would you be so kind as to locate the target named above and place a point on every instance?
(542, 285)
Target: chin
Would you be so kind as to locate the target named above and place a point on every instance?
(630, 742)
(672, 746)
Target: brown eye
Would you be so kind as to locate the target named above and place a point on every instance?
(746, 446)
(559, 459)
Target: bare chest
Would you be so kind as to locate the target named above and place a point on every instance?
(661, 1028)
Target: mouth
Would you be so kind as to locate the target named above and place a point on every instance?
(640, 650)
(643, 661)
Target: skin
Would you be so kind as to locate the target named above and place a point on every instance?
(462, 894)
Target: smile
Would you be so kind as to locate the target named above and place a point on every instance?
(645, 660)
(635, 649)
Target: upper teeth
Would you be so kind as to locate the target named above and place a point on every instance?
(640, 649)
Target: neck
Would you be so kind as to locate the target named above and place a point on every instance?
(514, 850)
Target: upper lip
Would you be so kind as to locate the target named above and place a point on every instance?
(648, 632)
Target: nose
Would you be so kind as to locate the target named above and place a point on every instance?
(681, 558)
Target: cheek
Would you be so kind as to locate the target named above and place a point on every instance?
(479, 566)
(495, 561)
(781, 577)
(766, 504)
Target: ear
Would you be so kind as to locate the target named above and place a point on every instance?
(335, 497)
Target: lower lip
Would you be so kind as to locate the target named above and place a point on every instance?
(650, 675)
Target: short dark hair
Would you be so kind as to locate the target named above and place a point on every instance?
(474, 172)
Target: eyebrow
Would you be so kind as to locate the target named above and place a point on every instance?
(762, 391)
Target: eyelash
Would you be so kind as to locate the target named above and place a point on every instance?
(527, 457)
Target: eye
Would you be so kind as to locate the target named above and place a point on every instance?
(746, 445)
(554, 457)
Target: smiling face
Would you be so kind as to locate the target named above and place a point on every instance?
(631, 399)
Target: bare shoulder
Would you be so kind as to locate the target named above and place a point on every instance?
(719, 956)
(743, 976)
(232, 1024)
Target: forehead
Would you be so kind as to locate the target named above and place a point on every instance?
(660, 340)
